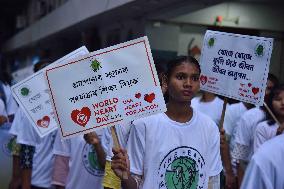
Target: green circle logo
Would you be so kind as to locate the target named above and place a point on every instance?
(90, 161)
(259, 50)
(211, 42)
(182, 168)
(25, 91)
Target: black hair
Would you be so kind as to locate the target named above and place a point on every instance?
(275, 92)
(41, 64)
(273, 79)
(178, 61)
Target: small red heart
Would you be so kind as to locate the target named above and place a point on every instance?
(203, 79)
(149, 97)
(255, 90)
(44, 122)
(138, 95)
(81, 117)
(249, 84)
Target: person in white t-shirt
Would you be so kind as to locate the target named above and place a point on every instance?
(268, 129)
(111, 181)
(176, 149)
(36, 156)
(10, 103)
(243, 149)
(85, 161)
(265, 170)
(209, 104)
(3, 113)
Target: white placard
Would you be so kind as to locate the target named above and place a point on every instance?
(235, 66)
(105, 88)
(32, 94)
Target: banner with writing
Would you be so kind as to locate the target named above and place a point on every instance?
(32, 94)
(235, 66)
(105, 88)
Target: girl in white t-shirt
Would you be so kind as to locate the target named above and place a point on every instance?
(268, 129)
(176, 149)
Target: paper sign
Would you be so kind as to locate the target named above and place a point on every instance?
(105, 88)
(32, 94)
(235, 66)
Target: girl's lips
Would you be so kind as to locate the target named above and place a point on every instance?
(187, 93)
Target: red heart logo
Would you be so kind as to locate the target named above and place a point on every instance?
(203, 79)
(44, 122)
(81, 117)
(138, 95)
(249, 84)
(255, 90)
(149, 97)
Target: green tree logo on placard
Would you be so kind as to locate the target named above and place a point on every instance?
(25, 91)
(259, 51)
(211, 42)
(95, 65)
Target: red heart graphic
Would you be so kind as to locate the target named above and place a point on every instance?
(138, 95)
(203, 79)
(81, 117)
(44, 122)
(255, 90)
(149, 97)
(249, 84)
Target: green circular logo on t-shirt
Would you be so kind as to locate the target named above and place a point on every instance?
(182, 168)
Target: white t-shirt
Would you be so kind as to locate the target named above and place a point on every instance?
(213, 109)
(11, 104)
(263, 132)
(174, 155)
(17, 122)
(122, 131)
(265, 170)
(232, 116)
(43, 157)
(84, 169)
(2, 108)
(243, 149)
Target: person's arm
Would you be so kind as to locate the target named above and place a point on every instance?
(3, 119)
(226, 159)
(120, 164)
(60, 171)
(92, 138)
(15, 183)
(26, 162)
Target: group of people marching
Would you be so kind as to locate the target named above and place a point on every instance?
(182, 148)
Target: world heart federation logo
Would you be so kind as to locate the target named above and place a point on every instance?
(44, 122)
(149, 97)
(203, 79)
(81, 117)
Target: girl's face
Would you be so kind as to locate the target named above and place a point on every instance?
(278, 104)
(183, 83)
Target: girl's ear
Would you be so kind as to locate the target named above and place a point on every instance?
(164, 84)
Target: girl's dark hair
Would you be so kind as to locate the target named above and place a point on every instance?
(275, 92)
(179, 60)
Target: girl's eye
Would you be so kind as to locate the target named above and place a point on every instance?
(195, 78)
(180, 76)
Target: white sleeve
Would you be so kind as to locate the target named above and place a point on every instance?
(215, 163)
(15, 127)
(259, 136)
(61, 146)
(255, 177)
(136, 148)
(107, 143)
(228, 123)
(242, 135)
(27, 133)
(11, 105)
